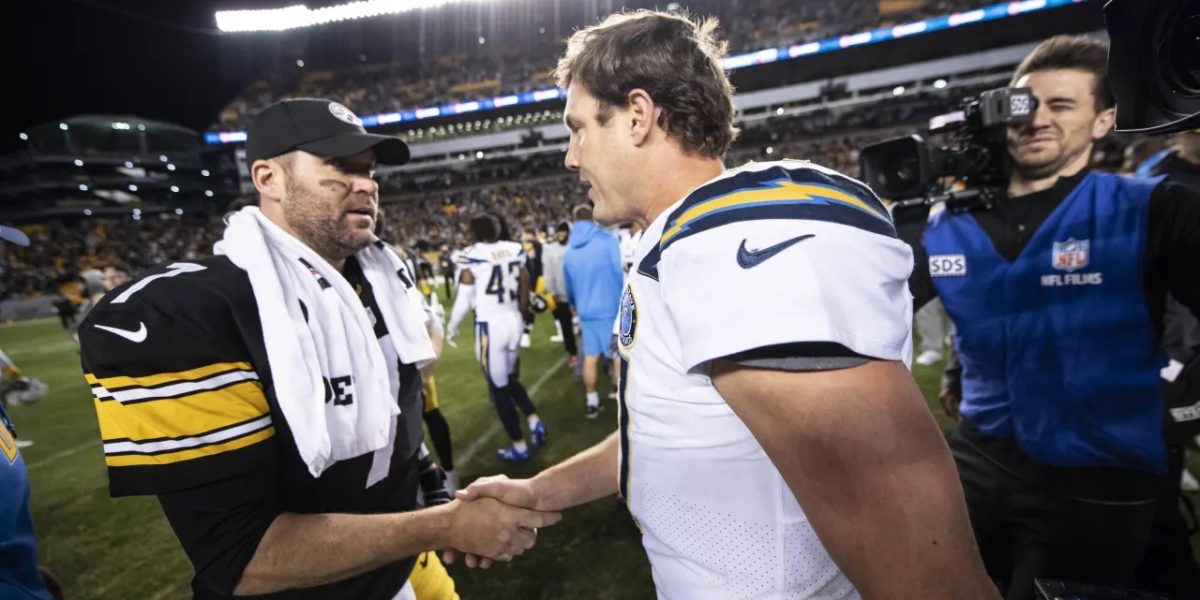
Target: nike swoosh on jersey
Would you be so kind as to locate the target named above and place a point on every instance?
(747, 259)
(136, 337)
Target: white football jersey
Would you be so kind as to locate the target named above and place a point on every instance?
(629, 245)
(764, 255)
(497, 270)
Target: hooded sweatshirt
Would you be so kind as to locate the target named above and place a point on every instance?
(592, 266)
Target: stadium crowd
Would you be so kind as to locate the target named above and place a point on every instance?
(380, 88)
(1104, 490)
(426, 209)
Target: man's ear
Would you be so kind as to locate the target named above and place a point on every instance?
(1103, 125)
(268, 178)
(643, 115)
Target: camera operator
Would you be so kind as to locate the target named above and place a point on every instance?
(1057, 296)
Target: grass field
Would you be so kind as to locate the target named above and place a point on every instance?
(104, 548)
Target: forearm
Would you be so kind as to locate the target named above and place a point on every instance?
(585, 477)
(300, 551)
(523, 295)
(462, 304)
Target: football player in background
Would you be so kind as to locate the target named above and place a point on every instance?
(771, 444)
(533, 264)
(495, 282)
(435, 421)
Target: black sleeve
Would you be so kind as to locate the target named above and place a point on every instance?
(910, 227)
(178, 400)
(221, 524)
(800, 356)
(1173, 243)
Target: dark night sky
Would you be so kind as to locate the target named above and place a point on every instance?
(165, 59)
(68, 57)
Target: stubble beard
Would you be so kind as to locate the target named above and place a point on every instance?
(327, 236)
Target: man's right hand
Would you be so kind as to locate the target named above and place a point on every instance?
(489, 528)
(951, 397)
(516, 492)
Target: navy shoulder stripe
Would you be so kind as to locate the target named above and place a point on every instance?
(778, 193)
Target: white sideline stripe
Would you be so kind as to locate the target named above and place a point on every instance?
(172, 445)
(484, 439)
(175, 389)
(53, 458)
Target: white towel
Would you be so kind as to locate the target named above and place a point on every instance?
(335, 340)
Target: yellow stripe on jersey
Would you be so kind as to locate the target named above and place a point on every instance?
(181, 417)
(8, 445)
(431, 395)
(136, 460)
(429, 579)
(774, 191)
(118, 382)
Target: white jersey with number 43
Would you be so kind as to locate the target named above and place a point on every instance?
(497, 270)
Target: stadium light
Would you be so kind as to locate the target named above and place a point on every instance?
(163, 158)
(779, 111)
(141, 127)
(78, 163)
(175, 189)
(120, 125)
(63, 126)
(939, 84)
(770, 150)
(300, 62)
(24, 137)
(208, 193)
(170, 167)
(83, 187)
(898, 90)
(479, 154)
(204, 172)
(299, 15)
(128, 165)
(132, 187)
(87, 212)
(179, 211)
(482, 40)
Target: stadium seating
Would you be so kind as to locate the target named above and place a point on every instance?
(431, 207)
(749, 24)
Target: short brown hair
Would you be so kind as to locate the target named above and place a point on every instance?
(673, 58)
(583, 212)
(1077, 52)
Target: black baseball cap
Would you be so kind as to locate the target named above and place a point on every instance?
(321, 127)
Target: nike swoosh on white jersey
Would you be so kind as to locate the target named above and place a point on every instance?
(136, 337)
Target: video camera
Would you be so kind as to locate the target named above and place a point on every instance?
(1154, 70)
(1154, 64)
(910, 170)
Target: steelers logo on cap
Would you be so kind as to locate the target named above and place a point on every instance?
(344, 114)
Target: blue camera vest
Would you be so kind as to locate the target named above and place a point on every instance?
(1057, 347)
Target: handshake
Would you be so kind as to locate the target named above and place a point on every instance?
(495, 519)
